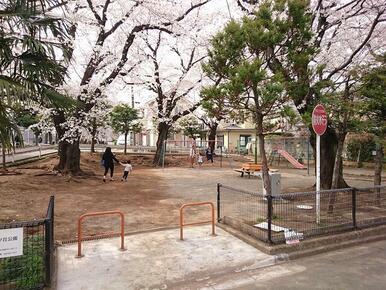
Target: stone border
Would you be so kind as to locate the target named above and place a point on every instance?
(312, 246)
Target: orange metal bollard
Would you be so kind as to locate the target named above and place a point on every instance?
(102, 213)
(196, 223)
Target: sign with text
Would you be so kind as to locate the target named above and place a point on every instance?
(11, 242)
(319, 120)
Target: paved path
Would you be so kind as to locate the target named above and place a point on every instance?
(157, 260)
(160, 261)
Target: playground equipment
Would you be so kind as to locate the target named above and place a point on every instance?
(291, 159)
(287, 156)
(102, 213)
(182, 225)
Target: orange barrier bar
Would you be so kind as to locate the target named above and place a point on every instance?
(102, 213)
(196, 223)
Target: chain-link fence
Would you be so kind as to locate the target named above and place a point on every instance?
(269, 218)
(31, 265)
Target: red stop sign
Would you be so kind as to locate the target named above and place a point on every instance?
(319, 120)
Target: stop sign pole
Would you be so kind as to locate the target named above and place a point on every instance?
(319, 124)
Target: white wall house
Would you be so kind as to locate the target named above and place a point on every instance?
(149, 132)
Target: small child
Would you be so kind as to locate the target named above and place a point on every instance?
(199, 159)
(127, 171)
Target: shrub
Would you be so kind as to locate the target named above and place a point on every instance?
(26, 271)
(365, 146)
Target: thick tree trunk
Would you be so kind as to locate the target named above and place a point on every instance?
(36, 139)
(378, 165)
(338, 170)
(125, 150)
(92, 149)
(212, 136)
(378, 170)
(163, 130)
(264, 162)
(69, 153)
(328, 146)
(69, 157)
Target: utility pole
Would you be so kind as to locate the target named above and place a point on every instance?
(132, 105)
(132, 97)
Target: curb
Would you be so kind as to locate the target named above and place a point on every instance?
(30, 160)
(334, 247)
(311, 247)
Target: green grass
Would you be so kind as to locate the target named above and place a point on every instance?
(26, 271)
(274, 217)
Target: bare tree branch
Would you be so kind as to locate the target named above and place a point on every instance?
(359, 48)
(185, 112)
(96, 15)
(105, 7)
(120, 22)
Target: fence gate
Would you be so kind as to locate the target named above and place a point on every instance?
(26, 253)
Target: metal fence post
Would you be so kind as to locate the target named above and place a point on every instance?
(354, 207)
(48, 251)
(269, 218)
(49, 241)
(218, 202)
(220, 156)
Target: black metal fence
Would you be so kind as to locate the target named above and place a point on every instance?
(268, 218)
(34, 268)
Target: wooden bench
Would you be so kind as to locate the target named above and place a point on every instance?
(249, 168)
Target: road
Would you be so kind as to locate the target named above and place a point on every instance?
(360, 267)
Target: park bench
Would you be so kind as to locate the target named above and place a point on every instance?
(249, 168)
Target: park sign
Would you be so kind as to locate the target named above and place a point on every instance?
(319, 120)
(11, 242)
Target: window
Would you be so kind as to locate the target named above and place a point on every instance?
(220, 140)
(244, 139)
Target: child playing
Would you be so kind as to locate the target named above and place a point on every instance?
(199, 159)
(127, 171)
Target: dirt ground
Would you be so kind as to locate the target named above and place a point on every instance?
(150, 199)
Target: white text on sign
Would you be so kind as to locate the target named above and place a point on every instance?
(319, 119)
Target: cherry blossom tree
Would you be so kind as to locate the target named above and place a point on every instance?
(104, 34)
(97, 119)
(173, 77)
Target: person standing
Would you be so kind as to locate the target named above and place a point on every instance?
(209, 154)
(108, 162)
(192, 155)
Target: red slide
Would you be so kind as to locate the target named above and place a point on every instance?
(291, 159)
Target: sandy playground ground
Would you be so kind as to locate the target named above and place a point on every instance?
(150, 199)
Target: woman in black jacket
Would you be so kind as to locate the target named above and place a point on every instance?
(108, 162)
